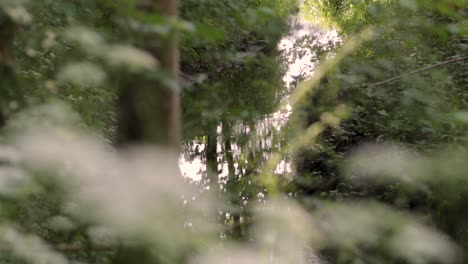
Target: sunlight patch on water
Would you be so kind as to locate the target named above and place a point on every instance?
(192, 169)
(298, 48)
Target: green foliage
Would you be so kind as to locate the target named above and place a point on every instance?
(350, 15)
(407, 87)
(67, 195)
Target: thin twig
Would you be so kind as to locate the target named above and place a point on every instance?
(456, 59)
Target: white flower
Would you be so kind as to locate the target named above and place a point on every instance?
(19, 14)
(82, 74)
(88, 40)
(131, 58)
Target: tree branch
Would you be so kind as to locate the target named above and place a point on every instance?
(456, 59)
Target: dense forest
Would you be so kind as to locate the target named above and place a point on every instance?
(221, 131)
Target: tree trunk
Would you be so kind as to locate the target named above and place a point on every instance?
(212, 156)
(170, 61)
(228, 149)
(8, 85)
(149, 114)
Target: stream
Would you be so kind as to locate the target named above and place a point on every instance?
(300, 51)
